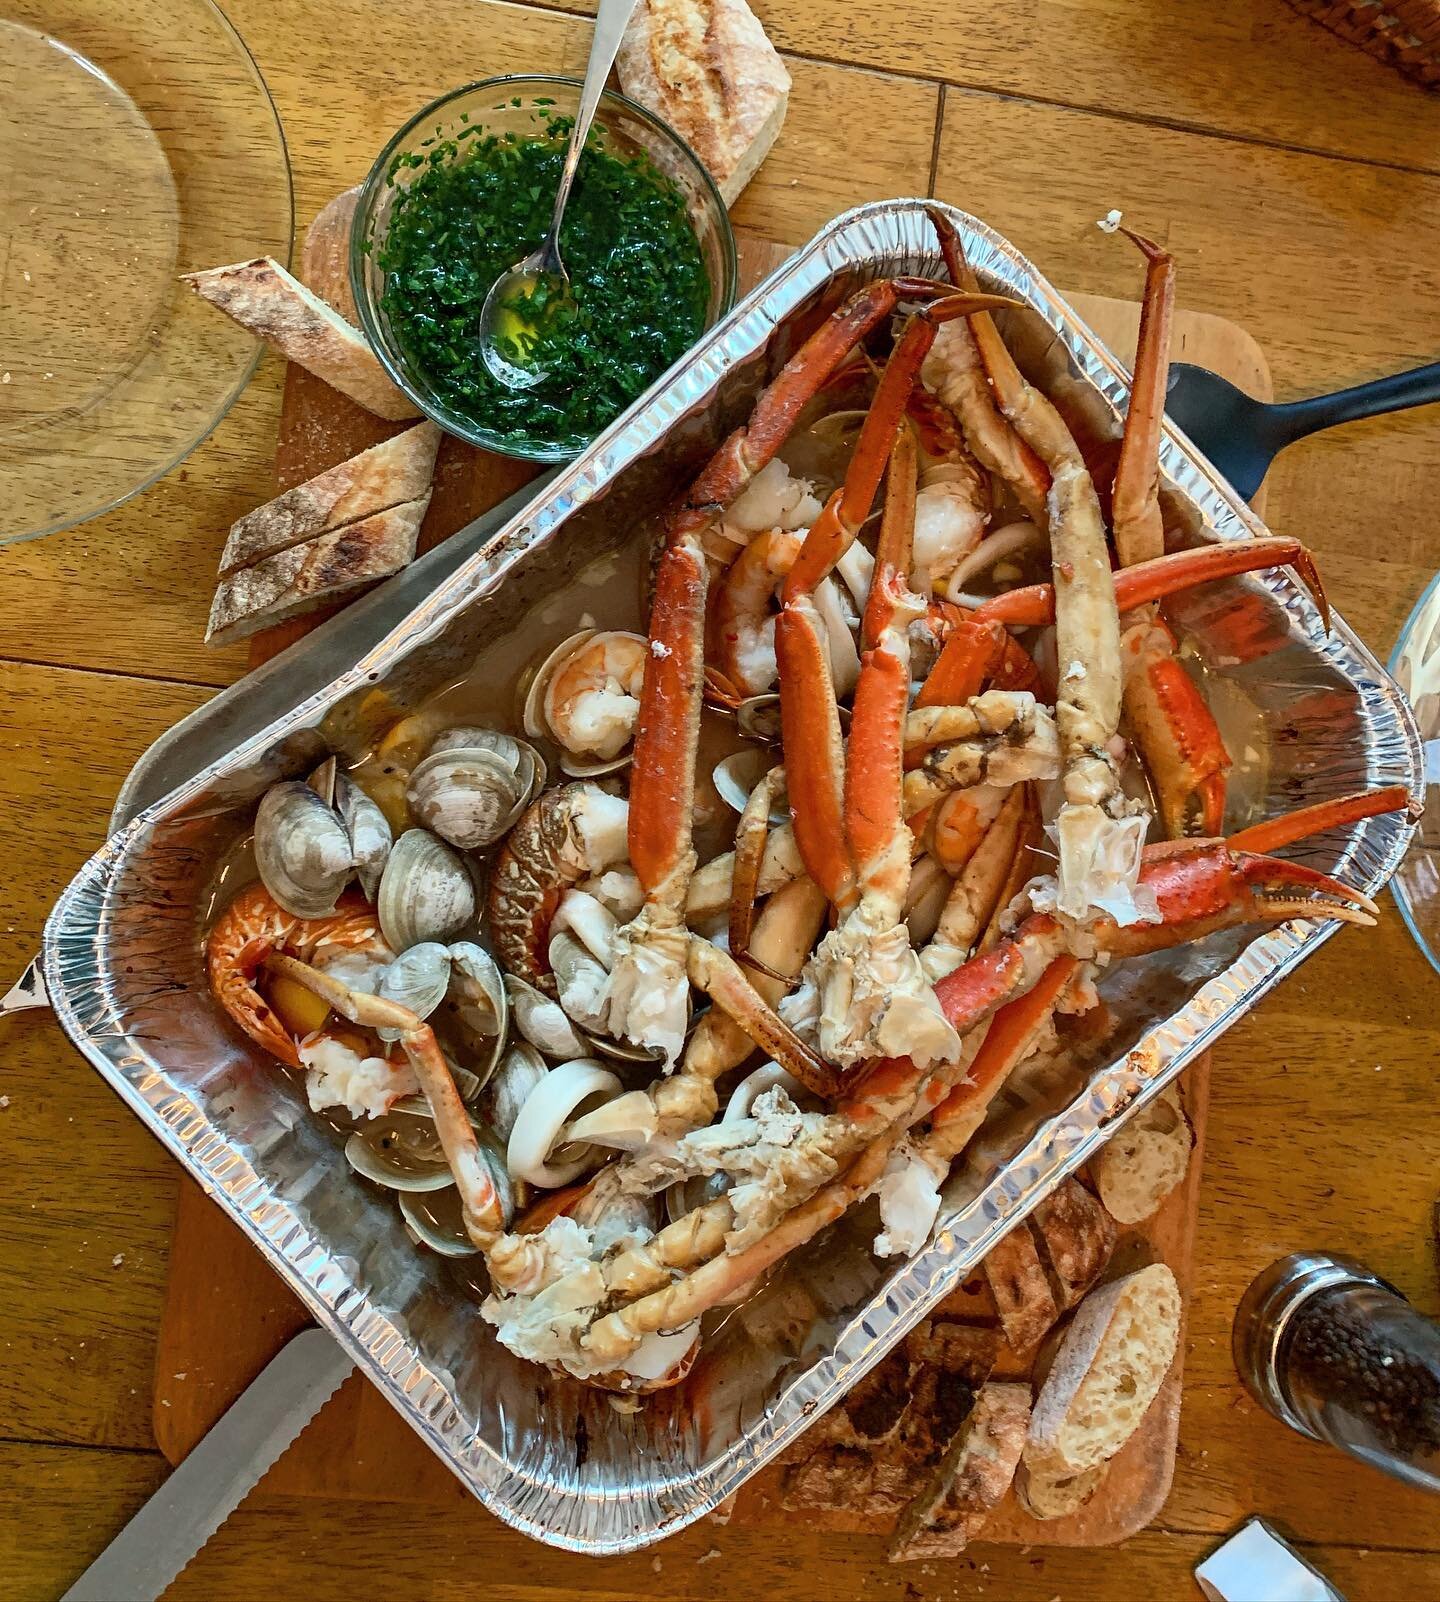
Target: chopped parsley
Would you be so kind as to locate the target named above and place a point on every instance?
(481, 202)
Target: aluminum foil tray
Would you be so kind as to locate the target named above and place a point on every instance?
(122, 955)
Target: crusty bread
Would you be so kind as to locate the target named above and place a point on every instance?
(1056, 1496)
(1018, 1282)
(1076, 1237)
(1110, 1365)
(707, 68)
(971, 1480)
(261, 296)
(389, 474)
(299, 579)
(1145, 1159)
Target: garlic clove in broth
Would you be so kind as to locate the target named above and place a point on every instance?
(467, 797)
(418, 979)
(370, 833)
(302, 850)
(426, 892)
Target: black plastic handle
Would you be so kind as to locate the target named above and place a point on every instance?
(1418, 387)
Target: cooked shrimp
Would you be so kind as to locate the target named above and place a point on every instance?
(593, 698)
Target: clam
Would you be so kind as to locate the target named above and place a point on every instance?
(758, 718)
(435, 1217)
(425, 893)
(418, 979)
(522, 759)
(302, 849)
(401, 1153)
(585, 697)
(477, 1001)
(469, 797)
(542, 1021)
(518, 1073)
(738, 774)
(581, 978)
(369, 830)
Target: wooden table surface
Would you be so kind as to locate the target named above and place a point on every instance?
(1298, 182)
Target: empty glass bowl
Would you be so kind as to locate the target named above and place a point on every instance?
(1415, 665)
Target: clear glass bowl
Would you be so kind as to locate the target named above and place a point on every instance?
(138, 143)
(518, 104)
(1415, 666)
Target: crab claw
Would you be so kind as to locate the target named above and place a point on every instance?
(1291, 890)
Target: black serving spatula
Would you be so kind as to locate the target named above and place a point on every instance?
(1242, 436)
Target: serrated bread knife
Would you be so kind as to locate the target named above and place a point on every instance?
(217, 1476)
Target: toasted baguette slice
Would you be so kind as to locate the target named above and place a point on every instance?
(1110, 1365)
(971, 1480)
(389, 474)
(1022, 1292)
(298, 580)
(261, 296)
(1056, 1496)
(1076, 1237)
(707, 68)
(1147, 1157)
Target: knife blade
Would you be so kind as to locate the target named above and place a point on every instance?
(218, 1474)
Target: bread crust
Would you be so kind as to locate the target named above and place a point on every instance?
(971, 1481)
(708, 69)
(389, 474)
(261, 296)
(1145, 1159)
(297, 580)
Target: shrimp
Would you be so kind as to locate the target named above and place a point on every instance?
(253, 927)
(593, 697)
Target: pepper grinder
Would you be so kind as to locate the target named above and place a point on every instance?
(1338, 1354)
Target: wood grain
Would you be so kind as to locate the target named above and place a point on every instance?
(1331, 262)
(1247, 68)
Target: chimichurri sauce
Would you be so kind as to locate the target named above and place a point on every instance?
(480, 203)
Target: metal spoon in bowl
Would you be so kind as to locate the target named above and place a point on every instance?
(505, 330)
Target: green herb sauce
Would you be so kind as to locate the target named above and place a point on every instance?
(478, 205)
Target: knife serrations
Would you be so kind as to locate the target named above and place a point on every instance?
(210, 1484)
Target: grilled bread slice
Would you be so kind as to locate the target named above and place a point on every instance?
(1145, 1159)
(261, 296)
(397, 471)
(707, 68)
(1111, 1363)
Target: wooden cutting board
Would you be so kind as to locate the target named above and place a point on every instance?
(226, 1313)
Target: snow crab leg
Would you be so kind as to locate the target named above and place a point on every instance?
(1200, 887)
(646, 999)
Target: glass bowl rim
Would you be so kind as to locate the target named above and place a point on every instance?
(1398, 889)
(527, 449)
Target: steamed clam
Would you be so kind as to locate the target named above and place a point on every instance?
(369, 830)
(302, 849)
(418, 979)
(477, 1005)
(517, 1074)
(400, 1153)
(542, 1021)
(426, 892)
(585, 696)
(473, 785)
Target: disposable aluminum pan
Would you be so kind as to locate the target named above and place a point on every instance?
(1310, 715)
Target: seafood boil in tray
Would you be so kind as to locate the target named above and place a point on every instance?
(744, 884)
(528, 965)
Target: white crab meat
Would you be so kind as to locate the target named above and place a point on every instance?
(336, 1075)
(647, 997)
(949, 523)
(775, 1158)
(772, 499)
(864, 994)
(909, 1193)
(1099, 868)
(618, 890)
(359, 970)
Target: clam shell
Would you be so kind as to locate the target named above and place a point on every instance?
(468, 797)
(519, 1071)
(478, 1004)
(418, 979)
(370, 833)
(543, 1022)
(425, 893)
(435, 1217)
(738, 774)
(302, 850)
(400, 1153)
(758, 718)
(522, 759)
(535, 720)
